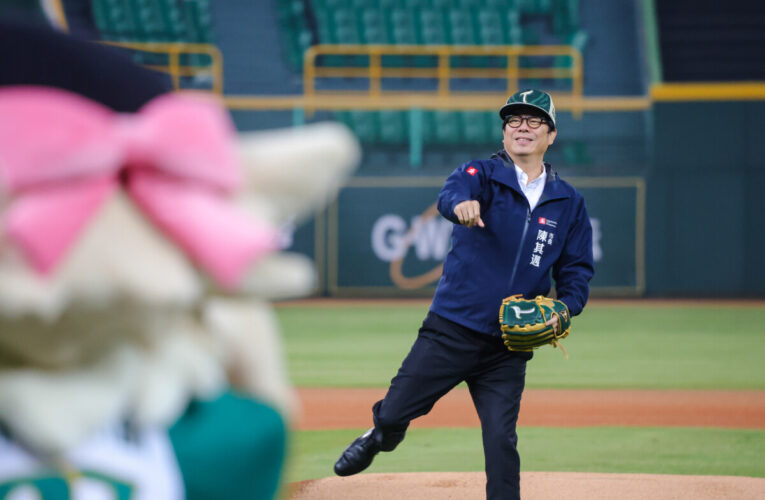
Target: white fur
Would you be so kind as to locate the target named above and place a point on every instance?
(52, 411)
(281, 276)
(126, 328)
(250, 331)
(293, 172)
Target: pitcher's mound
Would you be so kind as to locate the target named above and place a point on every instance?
(534, 486)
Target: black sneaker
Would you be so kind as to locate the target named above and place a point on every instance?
(359, 454)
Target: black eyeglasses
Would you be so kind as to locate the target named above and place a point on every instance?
(532, 121)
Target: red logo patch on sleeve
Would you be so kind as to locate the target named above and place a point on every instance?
(542, 221)
(472, 170)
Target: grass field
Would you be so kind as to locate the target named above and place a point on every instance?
(625, 345)
(648, 450)
(611, 346)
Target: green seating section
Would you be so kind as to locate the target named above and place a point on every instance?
(296, 34)
(428, 22)
(439, 127)
(155, 21)
(470, 22)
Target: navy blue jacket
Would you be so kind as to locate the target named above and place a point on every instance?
(517, 251)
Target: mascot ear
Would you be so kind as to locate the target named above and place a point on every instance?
(292, 173)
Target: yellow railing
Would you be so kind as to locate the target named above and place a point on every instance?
(174, 68)
(443, 71)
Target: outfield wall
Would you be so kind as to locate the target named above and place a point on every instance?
(706, 199)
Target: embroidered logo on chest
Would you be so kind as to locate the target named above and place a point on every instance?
(548, 222)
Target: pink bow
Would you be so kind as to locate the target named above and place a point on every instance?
(62, 155)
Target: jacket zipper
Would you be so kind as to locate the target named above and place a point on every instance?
(520, 248)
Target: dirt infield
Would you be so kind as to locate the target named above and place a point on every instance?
(534, 486)
(350, 408)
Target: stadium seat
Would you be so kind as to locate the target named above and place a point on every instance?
(373, 26)
(513, 30)
(536, 7)
(490, 24)
(393, 127)
(323, 25)
(113, 20)
(199, 23)
(502, 4)
(364, 125)
(344, 28)
(475, 127)
(446, 127)
(148, 26)
(171, 19)
(461, 27)
(364, 4)
(468, 4)
(432, 27)
(441, 4)
(330, 5)
(402, 27)
(565, 17)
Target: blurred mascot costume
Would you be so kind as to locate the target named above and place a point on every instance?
(139, 356)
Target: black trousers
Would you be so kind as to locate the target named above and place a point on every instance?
(444, 355)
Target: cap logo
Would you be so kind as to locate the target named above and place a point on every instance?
(524, 94)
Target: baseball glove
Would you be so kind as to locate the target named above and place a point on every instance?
(523, 322)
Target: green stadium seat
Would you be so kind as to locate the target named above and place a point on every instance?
(469, 4)
(107, 20)
(428, 129)
(446, 127)
(475, 127)
(364, 4)
(343, 18)
(343, 117)
(576, 153)
(491, 30)
(513, 29)
(393, 127)
(171, 19)
(501, 4)
(433, 27)
(198, 21)
(373, 27)
(461, 28)
(364, 125)
(148, 28)
(323, 25)
(403, 31)
(495, 127)
(300, 43)
(345, 30)
(331, 4)
(536, 7)
(117, 23)
(565, 17)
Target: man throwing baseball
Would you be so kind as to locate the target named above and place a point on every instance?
(517, 224)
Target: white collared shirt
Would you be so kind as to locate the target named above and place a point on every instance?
(533, 190)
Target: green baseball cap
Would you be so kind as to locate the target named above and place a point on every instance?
(530, 98)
